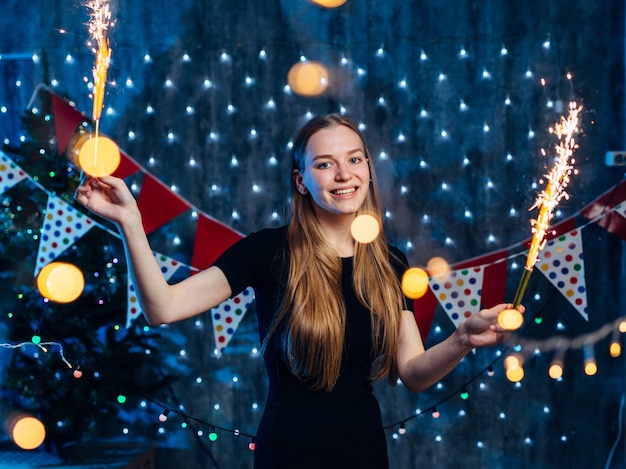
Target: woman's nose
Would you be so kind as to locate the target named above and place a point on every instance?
(342, 174)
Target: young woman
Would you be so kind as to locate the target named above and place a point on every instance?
(331, 314)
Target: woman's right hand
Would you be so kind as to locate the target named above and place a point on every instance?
(108, 197)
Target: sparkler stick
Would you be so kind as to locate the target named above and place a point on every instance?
(557, 180)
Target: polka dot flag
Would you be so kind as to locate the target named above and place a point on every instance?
(10, 173)
(227, 316)
(459, 292)
(621, 209)
(63, 225)
(561, 261)
(168, 266)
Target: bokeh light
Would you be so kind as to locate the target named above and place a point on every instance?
(510, 319)
(308, 78)
(99, 156)
(414, 282)
(60, 282)
(365, 228)
(329, 3)
(438, 268)
(27, 432)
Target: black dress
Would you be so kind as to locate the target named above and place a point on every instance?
(301, 428)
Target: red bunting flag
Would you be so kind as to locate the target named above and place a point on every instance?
(66, 121)
(158, 204)
(212, 238)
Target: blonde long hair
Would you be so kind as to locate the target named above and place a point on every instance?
(312, 338)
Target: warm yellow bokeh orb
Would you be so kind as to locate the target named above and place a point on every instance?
(556, 370)
(99, 156)
(329, 3)
(414, 282)
(515, 374)
(308, 78)
(365, 228)
(591, 367)
(438, 268)
(510, 319)
(60, 282)
(615, 349)
(28, 432)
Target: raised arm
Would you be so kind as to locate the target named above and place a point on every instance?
(419, 368)
(161, 303)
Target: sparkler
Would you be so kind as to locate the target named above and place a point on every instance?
(99, 23)
(94, 160)
(557, 180)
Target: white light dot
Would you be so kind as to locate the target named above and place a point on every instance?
(125, 431)
(423, 55)
(147, 58)
(441, 77)
(169, 83)
(186, 58)
(207, 84)
(189, 110)
(262, 54)
(504, 51)
(486, 74)
(199, 379)
(528, 74)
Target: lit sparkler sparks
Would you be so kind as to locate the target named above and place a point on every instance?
(100, 20)
(557, 180)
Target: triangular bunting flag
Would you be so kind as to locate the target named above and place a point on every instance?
(133, 310)
(63, 226)
(10, 173)
(561, 261)
(621, 209)
(459, 292)
(66, 121)
(168, 267)
(127, 166)
(158, 204)
(227, 316)
(212, 239)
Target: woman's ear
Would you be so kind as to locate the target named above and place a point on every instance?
(299, 182)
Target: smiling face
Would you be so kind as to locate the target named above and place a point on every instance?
(334, 172)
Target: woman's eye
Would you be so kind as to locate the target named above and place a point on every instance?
(324, 165)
